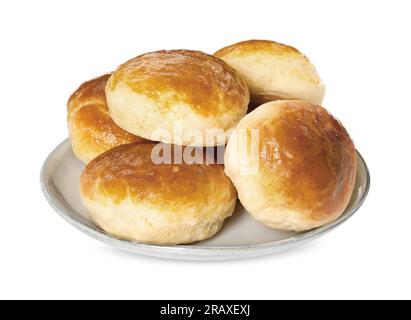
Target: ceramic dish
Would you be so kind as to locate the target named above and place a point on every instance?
(241, 236)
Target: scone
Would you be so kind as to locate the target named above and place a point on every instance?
(177, 96)
(92, 131)
(132, 195)
(293, 164)
(274, 71)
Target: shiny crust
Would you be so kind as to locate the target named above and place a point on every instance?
(205, 83)
(307, 166)
(251, 46)
(129, 172)
(124, 183)
(160, 90)
(92, 130)
(274, 71)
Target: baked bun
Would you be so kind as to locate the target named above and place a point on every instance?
(92, 131)
(155, 93)
(302, 174)
(274, 71)
(130, 196)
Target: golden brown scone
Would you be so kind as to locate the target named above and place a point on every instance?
(155, 92)
(131, 197)
(303, 170)
(92, 131)
(274, 71)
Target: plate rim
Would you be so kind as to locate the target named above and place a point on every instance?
(99, 234)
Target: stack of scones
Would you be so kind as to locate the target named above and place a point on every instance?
(171, 138)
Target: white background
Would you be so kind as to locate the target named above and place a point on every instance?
(362, 50)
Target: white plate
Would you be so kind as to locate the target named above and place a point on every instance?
(241, 236)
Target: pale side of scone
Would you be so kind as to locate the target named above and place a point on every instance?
(274, 71)
(160, 93)
(92, 131)
(131, 197)
(299, 173)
